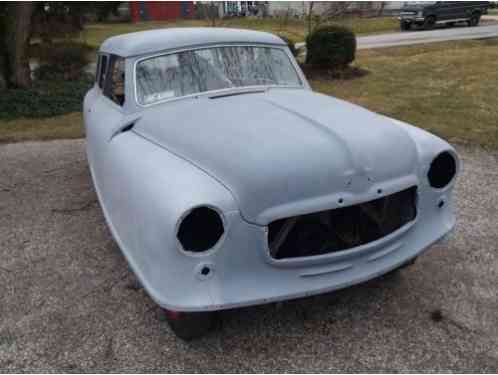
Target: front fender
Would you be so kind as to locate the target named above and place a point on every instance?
(428, 145)
(144, 190)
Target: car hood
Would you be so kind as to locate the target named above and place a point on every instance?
(284, 151)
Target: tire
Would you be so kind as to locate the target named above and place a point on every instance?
(450, 24)
(190, 325)
(404, 26)
(474, 20)
(429, 23)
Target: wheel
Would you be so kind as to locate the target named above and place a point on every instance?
(429, 23)
(404, 26)
(190, 325)
(450, 24)
(474, 20)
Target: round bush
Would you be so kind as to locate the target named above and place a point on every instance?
(290, 44)
(331, 47)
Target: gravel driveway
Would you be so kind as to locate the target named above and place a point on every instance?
(68, 300)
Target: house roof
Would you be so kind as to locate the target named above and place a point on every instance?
(145, 42)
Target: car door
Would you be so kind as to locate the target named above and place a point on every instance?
(467, 7)
(444, 10)
(460, 9)
(450, 10)
(102, 115)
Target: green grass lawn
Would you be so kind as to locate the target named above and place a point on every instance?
(66, 126)
(294, 29)
(448, 88)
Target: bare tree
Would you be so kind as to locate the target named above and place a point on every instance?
(3, 48)
(283, 17)
(3, 73)
(19, 21)
(262, 8)
(17, 35)
(382, 5)
(209, 11)
(309, 16)
(329, 11)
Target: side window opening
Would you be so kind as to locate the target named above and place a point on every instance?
(97, 69)
(115, 82)
(102, 70)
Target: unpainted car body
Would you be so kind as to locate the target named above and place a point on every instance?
(208, 194)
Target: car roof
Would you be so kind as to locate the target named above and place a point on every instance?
(146, 42)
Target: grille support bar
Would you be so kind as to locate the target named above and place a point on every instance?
(341, 228)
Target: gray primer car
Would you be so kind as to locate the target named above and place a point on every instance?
(227, 182)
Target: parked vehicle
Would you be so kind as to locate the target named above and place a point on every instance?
(428, 14)
(227, 182)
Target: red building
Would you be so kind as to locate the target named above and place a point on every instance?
(160, 10)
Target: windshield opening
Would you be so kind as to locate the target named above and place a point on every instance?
(196, 71)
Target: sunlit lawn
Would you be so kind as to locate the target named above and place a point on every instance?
(25, 129)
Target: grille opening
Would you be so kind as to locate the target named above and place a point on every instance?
(200, 230)
(341, 228)
(442, 170)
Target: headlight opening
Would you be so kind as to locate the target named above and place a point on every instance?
(442, 170)
(200, 230)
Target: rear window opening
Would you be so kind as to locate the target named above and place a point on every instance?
(342, 228)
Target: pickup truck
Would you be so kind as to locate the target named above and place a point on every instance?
(428, 14)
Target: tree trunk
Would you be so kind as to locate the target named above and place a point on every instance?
(3, 54)
(3, 76)
(310, 16)
(18, 32)
(381, 8)
(212, 13)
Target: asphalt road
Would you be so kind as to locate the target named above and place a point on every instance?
(420, 36)
(69, 302)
